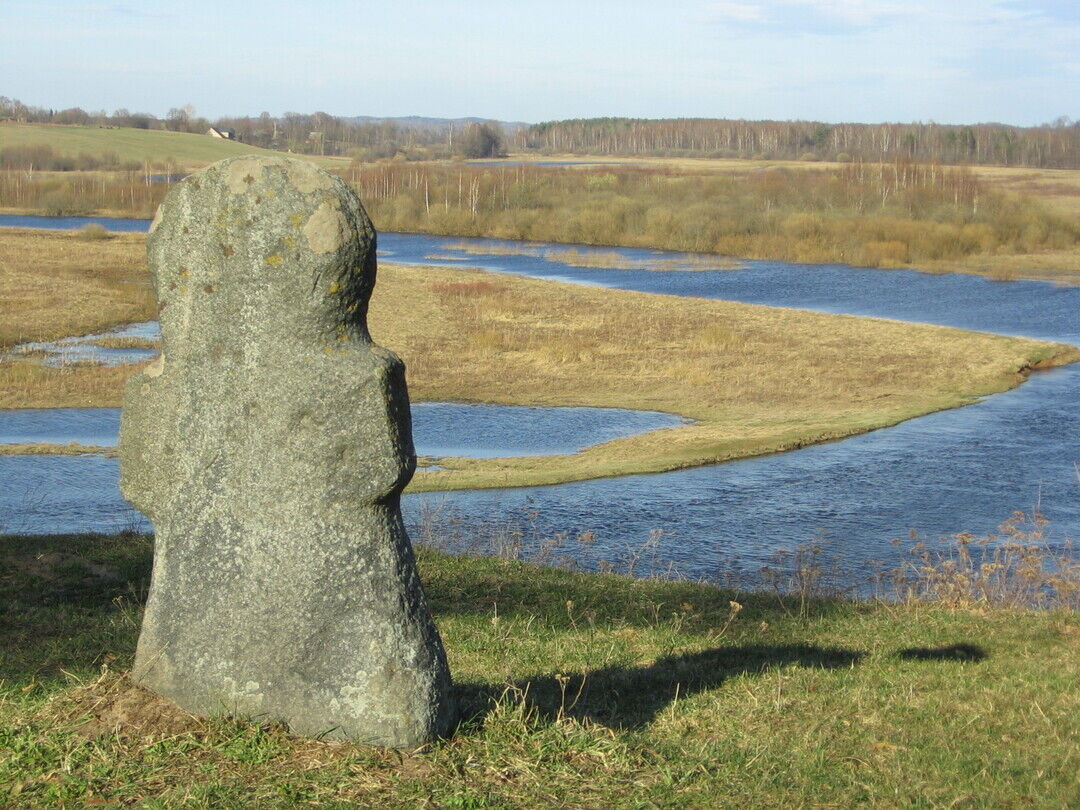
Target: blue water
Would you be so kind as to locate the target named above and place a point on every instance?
(961, 470)
(74, 223)
(82, 349)
(439, 428)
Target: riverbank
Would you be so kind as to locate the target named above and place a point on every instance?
(755, 379)
(1001, 223)
(578, 690)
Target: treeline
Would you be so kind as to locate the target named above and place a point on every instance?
(1055, 145)
(313, 134)
(864, 214)
(180, 119)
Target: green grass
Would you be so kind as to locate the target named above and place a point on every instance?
(186, 149)
(579, 690)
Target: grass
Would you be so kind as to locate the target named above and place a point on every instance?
(578, 691)
(142, 145)
(26, 383)
(756, 379)
(732, 367)
(53, 449)
(54, 284)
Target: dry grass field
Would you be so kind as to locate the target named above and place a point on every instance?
(54, 284)
(755, 379)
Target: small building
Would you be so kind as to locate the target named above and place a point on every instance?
(223, 132)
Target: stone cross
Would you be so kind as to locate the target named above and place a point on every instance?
(269, 445)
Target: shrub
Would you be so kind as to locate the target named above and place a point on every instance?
(93, 232)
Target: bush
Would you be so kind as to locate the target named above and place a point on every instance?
(93, 232)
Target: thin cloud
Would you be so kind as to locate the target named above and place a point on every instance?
(738, 12)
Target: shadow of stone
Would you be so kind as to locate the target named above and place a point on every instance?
(524, 590)
(60, 596)
(953, 652)
(630, 698)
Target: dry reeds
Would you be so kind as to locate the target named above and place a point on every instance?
(870, 214)
(1017, 567)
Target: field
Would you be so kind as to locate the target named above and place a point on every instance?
(141, 145)
(1005, 223)
(756, 379)
(578, 690)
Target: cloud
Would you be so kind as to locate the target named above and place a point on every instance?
(813, 16)
(737, 12)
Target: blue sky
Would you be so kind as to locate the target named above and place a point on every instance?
(951, 61)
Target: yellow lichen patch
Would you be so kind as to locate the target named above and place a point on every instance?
(325, 230)
(274, 260)
(243, 173)
(306, 177)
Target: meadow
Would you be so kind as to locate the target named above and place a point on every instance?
(156, 147)
(754, 379)
(577, 690)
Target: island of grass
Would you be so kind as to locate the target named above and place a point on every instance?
(753, 379)
(577, 690)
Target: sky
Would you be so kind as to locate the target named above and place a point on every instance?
(950, 61)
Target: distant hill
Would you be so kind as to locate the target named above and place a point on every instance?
(423, 123)
(188, 150)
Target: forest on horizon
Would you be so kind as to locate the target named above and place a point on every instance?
(1054, 145)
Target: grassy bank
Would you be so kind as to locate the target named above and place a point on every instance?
(756, 379)
(578, 691)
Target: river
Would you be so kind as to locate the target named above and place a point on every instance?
(961, 470)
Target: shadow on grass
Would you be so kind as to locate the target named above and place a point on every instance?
(62, 598)
(67, 601)
(631, 697)
(953, 652)
(486, 586)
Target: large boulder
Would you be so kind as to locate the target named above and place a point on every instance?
(269, 445)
